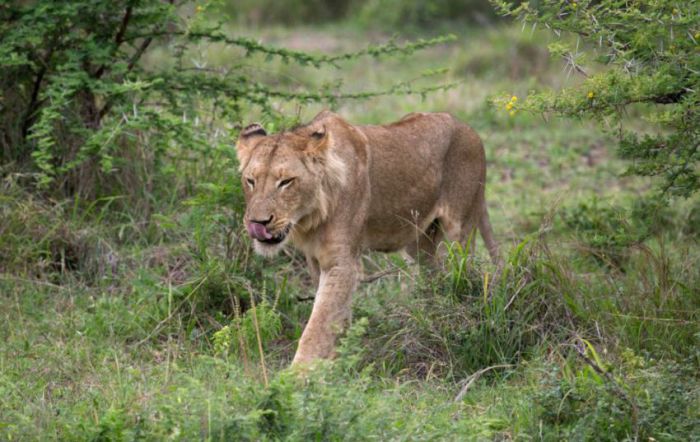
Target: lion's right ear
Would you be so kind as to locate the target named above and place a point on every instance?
(247, 138)
(251, 131)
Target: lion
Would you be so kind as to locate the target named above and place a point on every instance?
(333, 190)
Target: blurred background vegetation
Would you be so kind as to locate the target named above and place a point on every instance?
(388, 15)
(133, 308)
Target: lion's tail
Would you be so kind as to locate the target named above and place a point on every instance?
(487, 233)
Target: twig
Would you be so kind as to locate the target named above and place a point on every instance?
(132, 61)
(257, 334)
(34, 101)
(383, 273)
(472, 378)
(237, 315)
(118, 39)
(367, 280)
(616, 388)
(8, 277)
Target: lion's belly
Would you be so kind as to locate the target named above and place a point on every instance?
(397, 217)
(389, 239)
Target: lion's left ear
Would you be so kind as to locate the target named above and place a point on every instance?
(319, 133)
(320, 140)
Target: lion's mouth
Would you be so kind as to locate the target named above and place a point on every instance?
(276, 238)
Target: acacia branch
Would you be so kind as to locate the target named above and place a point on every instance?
(254, 46)
(615, 387)
(671, 97)
(118, 38)
(132, 61)
(34, 100)
(469, 381)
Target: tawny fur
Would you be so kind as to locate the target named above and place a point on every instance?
(403, 186)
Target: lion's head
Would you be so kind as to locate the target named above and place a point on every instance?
(289, 181)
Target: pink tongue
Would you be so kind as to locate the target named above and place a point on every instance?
(258, 231)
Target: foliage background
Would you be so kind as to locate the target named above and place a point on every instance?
(132, 307)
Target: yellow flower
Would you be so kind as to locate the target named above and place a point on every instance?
(574, 5)
(513, 98)
(509, 106)
(199, 8)
(512, 113)
(591, 95)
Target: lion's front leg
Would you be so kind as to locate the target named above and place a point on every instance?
(331, 312)
(314, 270)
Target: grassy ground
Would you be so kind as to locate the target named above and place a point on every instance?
(120, 325)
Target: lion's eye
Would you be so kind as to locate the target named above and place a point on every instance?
(285, 183)
(251, 182)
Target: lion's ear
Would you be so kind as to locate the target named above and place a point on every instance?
(320, 139)
(319, 133)
(252, 131)
(246, 139)
(248, 134)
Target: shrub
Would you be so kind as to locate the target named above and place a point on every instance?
(398, 14)
(649, 50)
(641, 400)
(83, 112)
(241, 336)
(607, 233)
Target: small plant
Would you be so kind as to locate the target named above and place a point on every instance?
(241, 336)
(640, 400)
(608, 233)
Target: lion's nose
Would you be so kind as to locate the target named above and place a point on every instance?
(263, 222)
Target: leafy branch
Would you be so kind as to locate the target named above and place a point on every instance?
(649, 51)
(75, 90)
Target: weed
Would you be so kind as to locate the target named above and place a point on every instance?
(655, 403)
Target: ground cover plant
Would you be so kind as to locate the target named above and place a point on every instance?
(131, 306)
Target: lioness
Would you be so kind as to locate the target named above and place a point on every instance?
(333, 189)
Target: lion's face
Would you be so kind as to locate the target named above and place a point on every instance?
(282, 177)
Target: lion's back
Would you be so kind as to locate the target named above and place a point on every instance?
(409, 169)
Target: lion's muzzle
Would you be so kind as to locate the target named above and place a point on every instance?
(258, 231)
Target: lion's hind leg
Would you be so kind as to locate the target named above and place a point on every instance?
(423, 247)
(453, 230)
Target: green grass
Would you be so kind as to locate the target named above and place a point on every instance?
(120, 326)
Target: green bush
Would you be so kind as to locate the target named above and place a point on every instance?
(241, 336)
(386, 14)
(83, 112)
(607, 233)
(643, 400)
(649, 53)
(403, 14)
